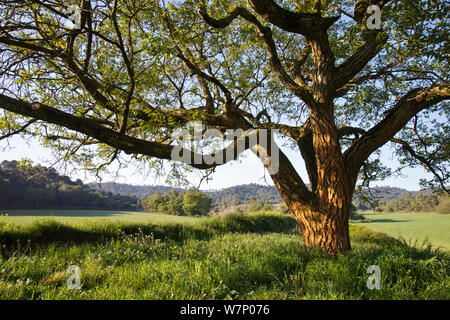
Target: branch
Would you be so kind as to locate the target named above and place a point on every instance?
(202, 78)
(196, 70)
(21, 129)
(369, 76)
(346, 131)
(129, 145)
(374, 41)
(425, 163)
(407, 107)
(265, 34)
(298, 64)
(129, 66)
(90, 84)
(306, 24)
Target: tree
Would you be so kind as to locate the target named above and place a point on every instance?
(152, 204)
(256, 205)
(38, 187)
(389, 208)
(320, 73)
(196, 203)
(444, 206)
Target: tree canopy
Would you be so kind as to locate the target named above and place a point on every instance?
(134, 71)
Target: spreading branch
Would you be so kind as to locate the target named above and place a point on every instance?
(128, 144)
(306, 24)
(265, 33)
(423, 161)
(405, 109)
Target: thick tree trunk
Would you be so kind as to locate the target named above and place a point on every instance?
(324, 227)
(322, 215)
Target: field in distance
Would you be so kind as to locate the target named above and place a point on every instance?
(25, 217)
(413, 226)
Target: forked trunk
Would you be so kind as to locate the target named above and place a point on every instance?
(323, 213)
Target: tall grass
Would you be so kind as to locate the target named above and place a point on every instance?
(231, 257)
(46, 231)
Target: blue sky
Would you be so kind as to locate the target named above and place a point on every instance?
(249, 170)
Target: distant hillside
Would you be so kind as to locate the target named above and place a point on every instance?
(233, 195)
(245, 193)
(24, 186)
(129, 189)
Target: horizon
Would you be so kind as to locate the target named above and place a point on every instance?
(237, 185)
(241, 172)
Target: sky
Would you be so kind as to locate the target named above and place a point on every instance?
(248, 170)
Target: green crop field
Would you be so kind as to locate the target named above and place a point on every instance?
(129, 255)
(414, 227)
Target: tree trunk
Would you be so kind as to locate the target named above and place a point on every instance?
(324, 227)
(322, 215)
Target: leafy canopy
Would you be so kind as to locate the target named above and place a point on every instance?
(144, 68)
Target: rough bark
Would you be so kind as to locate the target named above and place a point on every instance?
(323, 213)
(324, 227)
(323, 216)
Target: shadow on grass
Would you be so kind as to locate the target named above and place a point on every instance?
(388, 220)
(14, 238)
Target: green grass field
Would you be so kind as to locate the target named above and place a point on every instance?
(245, 256)
(414, 227)
(25, 217)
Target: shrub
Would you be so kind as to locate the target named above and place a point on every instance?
(256, 205)
(443, 207)
(196, 203)
(170, 203)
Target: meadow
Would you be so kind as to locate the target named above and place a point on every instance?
(414, 227)
(245, 256)
(27, 217)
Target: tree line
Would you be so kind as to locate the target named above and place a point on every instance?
(24, 186)
(190, 203)
(431, 202)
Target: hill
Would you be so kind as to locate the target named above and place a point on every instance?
(245, 193)
(129, 189)
(232, 195)
(24, 186)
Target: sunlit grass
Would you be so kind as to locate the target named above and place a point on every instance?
(231, 257)
(25, 217)
(415, 228)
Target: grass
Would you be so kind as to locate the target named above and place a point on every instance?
(251, 256)
(414, 228)
(25, 217)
